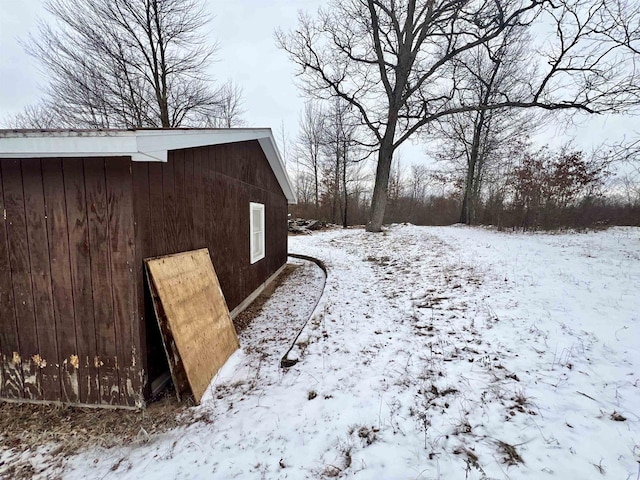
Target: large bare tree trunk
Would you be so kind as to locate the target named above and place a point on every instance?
(470, 200)
(380, 189)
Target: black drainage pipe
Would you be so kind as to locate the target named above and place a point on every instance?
(286, 362)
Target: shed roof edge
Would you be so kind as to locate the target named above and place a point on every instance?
(139, 144)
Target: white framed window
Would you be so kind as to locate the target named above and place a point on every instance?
(256, 221)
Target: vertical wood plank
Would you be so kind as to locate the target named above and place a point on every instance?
(98, 217)
(208, 174)
(122, 246)
(214, 197)
(249, 170)
(156, 207)
(231, 226)
(199, 202)
(215, 159)
(11, 385)
(84, 362)
(46, 358)
(62, 286)
(181, 222)
(188, 193)
(6, 300)
(143, 245)
(21, 278)
(170, 226)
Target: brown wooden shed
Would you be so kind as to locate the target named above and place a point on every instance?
(81, 209)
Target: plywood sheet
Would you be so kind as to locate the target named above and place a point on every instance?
(194, 319)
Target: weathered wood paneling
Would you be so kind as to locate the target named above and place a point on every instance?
(198, 199)
(122, 257)
(73, 233)
(170, 220)
(68, 299)
(98, 216)
(21, 279)
(61, 284)
(11, 386)
(84, 361)
(142, 225)
(46, 358)
(201, 199)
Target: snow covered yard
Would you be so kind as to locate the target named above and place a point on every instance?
(446, 352)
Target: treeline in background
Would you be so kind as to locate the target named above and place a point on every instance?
(513, 185)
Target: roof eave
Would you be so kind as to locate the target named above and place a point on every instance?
(141, 145)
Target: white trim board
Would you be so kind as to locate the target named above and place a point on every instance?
(144, 145)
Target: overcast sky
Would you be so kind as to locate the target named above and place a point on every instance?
(244, 30)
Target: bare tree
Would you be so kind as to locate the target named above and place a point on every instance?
(629, 187)
(418, 183)
(392, 61)
(473, 140)
(341, 148)
(305, 188)
(625, 152)
(40, 115)
(285, 142)
(225, 113)
(128, 63)
(310, 141)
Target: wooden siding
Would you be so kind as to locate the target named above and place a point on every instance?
(68, 302)
(76, 323)
(200, 199)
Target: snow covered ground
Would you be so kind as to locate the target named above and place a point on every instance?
(446, 352)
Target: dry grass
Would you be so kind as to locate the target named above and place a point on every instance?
(618, 417)
(471, 459)
(70, 430)
(510, 454)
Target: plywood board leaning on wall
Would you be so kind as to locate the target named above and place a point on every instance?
(197, 331)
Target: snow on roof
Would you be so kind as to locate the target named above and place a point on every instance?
(142, 145)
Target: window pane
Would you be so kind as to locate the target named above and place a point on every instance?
(257, 220)
(257, 244)
(256, 234)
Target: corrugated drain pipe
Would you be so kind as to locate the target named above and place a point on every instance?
(287, 362)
